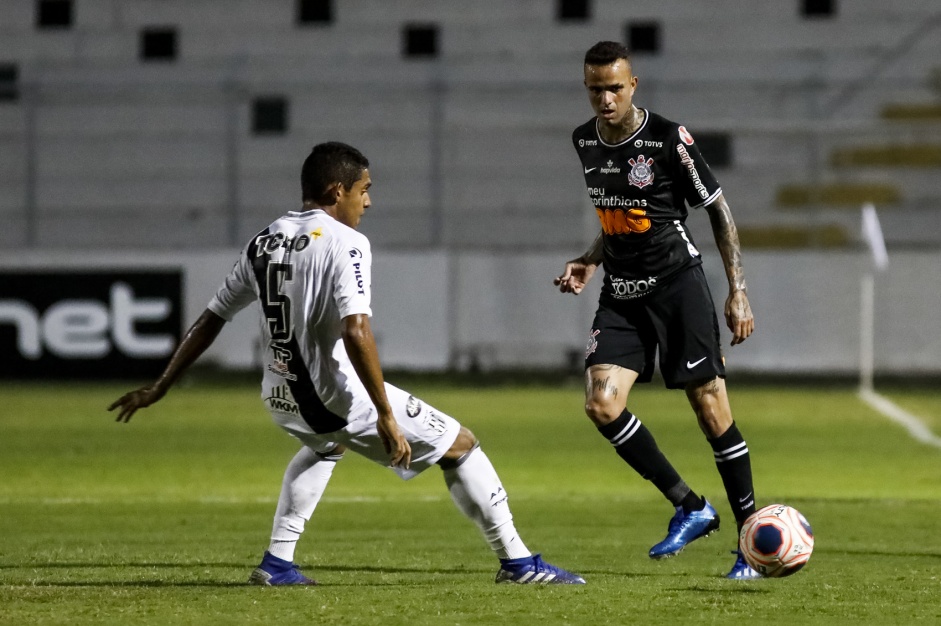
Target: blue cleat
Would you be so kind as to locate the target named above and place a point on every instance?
(532, 570)
(276, 572)
(685, 528)
(742, 570)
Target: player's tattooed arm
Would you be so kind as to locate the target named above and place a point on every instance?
(738, 314)
(726, 235)
(579, 271)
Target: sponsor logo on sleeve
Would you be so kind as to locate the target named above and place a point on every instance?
(361, 290)
(685, 137)
(687, 160)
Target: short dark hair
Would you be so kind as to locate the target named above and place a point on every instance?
(329, 163)
(606, 53)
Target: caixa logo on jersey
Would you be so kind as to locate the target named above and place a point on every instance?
(88, 324)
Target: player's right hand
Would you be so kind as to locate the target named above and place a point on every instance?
(400, 453)
(133, 400)
(576, 275)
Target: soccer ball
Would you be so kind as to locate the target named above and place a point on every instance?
(776, 540)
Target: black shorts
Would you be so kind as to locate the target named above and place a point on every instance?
(678, 318)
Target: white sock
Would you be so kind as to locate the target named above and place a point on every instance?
(304, 482)
(478, 493)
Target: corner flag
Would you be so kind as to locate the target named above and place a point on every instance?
(872, 233)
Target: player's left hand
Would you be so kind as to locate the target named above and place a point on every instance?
(738, 316)
(133, 400)
(400, 453)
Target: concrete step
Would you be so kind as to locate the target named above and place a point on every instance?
(848, 195)
(889, 155)
(909, 111)
(788, 237)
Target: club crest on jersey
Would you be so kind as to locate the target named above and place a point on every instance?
(641, 171)
(413, 406)
(592, 342)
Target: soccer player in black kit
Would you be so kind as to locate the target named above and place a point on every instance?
(642, 171)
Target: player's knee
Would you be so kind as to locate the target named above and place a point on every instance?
(601, 412)
(465, 443)
(710, 403)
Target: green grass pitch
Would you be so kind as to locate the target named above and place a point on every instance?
(161, 520)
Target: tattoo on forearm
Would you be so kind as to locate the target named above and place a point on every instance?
(726, 235)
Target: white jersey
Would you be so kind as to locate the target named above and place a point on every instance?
(309, 271)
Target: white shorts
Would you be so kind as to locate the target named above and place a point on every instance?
(429, 432)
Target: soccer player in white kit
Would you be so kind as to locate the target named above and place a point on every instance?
(322, 382)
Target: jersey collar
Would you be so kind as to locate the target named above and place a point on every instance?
(640, 129)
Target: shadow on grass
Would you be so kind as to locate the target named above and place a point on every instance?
(864, 552)
(317, 571)
(731, 588)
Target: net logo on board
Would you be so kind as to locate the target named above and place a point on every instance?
(63, 324)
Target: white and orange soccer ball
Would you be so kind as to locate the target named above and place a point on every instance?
(776, 540)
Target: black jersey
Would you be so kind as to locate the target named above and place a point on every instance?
(640, 188)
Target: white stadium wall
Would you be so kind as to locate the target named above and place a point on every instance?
(114, 163)
(436, 309)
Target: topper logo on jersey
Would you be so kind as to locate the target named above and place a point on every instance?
(687, 160)
(79, 329)
(623, 289)
(282, 356)
(267, 244)
(641, 171)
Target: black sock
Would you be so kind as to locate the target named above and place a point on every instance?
(692, 502)
(734, 464)
(634, 443)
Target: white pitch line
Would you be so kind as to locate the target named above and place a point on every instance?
(912, 424)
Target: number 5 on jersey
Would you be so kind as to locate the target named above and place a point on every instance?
(278, 306)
